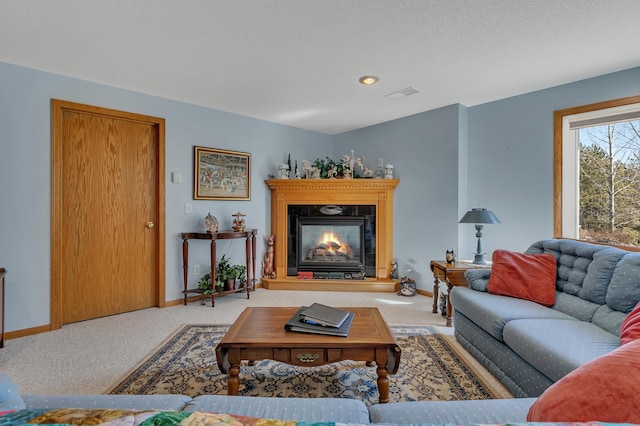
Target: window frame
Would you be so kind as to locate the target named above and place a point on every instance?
(558, 119)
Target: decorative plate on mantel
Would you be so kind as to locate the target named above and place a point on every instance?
(331, 210)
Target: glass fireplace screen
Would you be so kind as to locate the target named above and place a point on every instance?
(331, 244)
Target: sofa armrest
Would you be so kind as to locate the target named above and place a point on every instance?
(478, 279)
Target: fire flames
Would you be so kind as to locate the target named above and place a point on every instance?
(329, 248)
(332, 244)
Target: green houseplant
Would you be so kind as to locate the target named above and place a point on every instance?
(227, 274)
(205, 283)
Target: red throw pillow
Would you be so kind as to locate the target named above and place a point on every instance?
(525, 276)
(604, 390)
(630, 328)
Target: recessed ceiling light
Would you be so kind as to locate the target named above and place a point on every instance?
(368, 80)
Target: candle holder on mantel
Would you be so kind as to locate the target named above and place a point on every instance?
(238, 222)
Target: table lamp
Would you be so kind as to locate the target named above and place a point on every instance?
(479, 216)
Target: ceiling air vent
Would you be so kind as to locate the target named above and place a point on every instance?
(402, 93)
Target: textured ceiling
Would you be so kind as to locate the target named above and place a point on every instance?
(297, 62)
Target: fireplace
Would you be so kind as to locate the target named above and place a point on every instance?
(331, 242)
(333, 199)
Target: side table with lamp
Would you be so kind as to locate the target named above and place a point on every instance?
(452, 274)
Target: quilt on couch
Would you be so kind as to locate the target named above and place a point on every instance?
(71, 416)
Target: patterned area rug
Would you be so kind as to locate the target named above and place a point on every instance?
(429, 370)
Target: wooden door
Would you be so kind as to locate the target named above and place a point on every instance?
(108, 212)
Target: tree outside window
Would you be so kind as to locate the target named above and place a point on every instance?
(609, 210)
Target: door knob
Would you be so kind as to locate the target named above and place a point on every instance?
(149, 224)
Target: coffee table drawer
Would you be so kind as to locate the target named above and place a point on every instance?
(309, 357)
(306, 357)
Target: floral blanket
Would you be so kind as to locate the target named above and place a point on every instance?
(70, 416)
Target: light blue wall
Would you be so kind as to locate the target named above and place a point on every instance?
(510, 157)
(498, 155)
(424, 151)
(25, 177)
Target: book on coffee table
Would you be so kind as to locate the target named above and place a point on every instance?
(327, 316)
(296, 323)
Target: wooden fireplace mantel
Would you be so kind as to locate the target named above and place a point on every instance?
(377, 192)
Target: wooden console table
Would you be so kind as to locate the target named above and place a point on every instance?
(248, 234)
(452, 274)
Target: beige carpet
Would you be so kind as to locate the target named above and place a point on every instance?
(429, 370)
(90, 357)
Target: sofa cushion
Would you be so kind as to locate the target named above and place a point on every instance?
(9, 396)
(584, 269)
(623, 292)
(630, 328)
(478, 279)
(525, 276)
(517, 375)
(608, 319)
(557, 347)
(492, 312)
(576, 307)
(605, 389)
(312, 410)
(452, 412)
(599, 274)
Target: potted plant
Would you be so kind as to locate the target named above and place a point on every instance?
(205, 283)
(227, 274)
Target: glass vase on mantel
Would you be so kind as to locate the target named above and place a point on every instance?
(211, 223)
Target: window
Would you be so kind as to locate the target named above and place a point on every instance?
(597, 172)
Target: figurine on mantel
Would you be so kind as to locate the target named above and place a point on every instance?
(283, 171)
(349, 164)
(388, 171)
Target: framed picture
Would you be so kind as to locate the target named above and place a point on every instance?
(221, 175)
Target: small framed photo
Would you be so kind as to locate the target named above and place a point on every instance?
(221, 175)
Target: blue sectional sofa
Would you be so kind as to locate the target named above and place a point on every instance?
(308, 410)
(527, 346)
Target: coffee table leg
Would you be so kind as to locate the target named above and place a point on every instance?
(383, 384)
(233, 382)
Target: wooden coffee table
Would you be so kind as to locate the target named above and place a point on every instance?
(259, 333)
